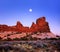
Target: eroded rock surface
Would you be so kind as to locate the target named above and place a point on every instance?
(41, 26)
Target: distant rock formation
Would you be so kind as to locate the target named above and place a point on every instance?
(40, 26)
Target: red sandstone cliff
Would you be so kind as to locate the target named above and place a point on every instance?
(41, 26)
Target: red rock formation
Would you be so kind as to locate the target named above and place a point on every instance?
(3, 28)
(41, 21)
(21, 28)
(34, 27)
(41, 26)
(19, 25)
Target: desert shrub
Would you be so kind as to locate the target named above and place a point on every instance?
(16, 39)
(20, 43)
(1, 48)
(50, 39)
(53, 38)
(18, 32)
(47, 50)
(32, 50)
(31, 38)
(34, 43)
(54, 42)
(34, 38)
(58, 45)
(35, 47)
(15, 48)
(9, 39)
(57, 36)
(0, 38)
(39, 46)
(23, 38)
(44, 45)
(22, 50)
(35, 32)
(29, 43)
(39, 38)
(9, 34)
(7, 48)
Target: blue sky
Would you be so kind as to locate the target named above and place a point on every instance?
(12, 11)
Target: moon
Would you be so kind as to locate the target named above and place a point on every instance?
(30, 10)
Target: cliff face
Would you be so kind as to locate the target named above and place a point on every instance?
(34, 27)
(41, 26)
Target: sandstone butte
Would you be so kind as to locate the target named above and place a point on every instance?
(41, 26)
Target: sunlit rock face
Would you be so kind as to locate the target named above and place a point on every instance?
(43, 26)
(3, 28)
(34, 27)
(21, 28)
(19, 25)
(40, 26)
